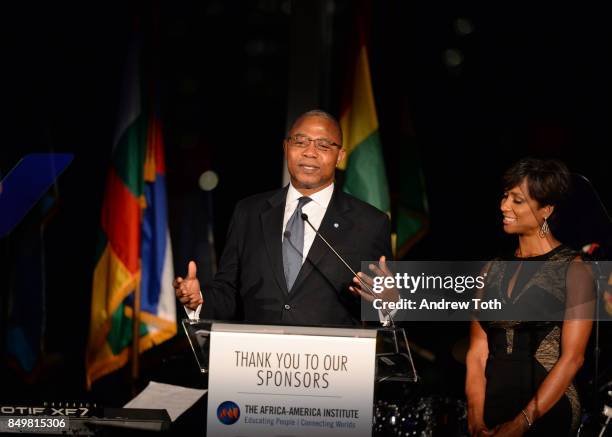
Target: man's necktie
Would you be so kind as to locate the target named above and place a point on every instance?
(293, 243)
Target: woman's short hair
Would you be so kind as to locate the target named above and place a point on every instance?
(548, 181)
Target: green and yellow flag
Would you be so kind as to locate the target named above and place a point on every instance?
(364, 166)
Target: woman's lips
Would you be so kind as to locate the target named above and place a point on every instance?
(509, 220)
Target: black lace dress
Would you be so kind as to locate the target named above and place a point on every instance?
(522, 353)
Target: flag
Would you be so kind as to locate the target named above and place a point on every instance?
(134, 248)
(412, 213)
(364, 166)
(365, 176)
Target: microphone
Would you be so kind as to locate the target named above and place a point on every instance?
(384, 310)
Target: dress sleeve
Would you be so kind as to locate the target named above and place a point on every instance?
(580, 296)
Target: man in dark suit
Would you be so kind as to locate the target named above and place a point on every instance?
(274, 269)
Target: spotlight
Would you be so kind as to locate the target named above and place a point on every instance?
(208, 180)
(452, 58)
(463, 26)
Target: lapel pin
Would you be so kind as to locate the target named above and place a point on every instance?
(336, 225)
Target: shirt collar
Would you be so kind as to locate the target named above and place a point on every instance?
(321, 198)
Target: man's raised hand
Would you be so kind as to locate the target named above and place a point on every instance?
(188, 290)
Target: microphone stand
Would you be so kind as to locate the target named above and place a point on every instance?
(596, 348)
(399, 341)
(367, 287)
(581, 179)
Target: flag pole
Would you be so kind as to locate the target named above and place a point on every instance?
(135, 374)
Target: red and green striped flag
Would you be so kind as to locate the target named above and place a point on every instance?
(364, 165)
(365, 176)
(134, 249)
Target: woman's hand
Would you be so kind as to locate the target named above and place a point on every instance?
(477, 427)
(482, 431)
(513, 428)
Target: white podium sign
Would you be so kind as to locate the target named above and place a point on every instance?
(267, 383)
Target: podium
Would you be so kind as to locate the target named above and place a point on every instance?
(267, 380)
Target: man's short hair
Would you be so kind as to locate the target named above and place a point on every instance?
(318, 113)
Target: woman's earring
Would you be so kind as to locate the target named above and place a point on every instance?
(544, 229)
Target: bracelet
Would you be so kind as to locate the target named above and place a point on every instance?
(526, 419)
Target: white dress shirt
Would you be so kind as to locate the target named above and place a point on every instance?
(315, 211)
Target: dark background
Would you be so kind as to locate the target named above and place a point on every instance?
(531, 81)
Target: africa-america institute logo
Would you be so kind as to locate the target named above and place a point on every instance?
(228, 412)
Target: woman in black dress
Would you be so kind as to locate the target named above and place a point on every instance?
(520, 374)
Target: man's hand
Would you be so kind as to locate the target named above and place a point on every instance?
(387, 294)
(188, 290)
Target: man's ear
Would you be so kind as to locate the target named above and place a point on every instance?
(341, 155)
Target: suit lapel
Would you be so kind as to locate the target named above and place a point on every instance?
(272, 224)
(336, 210)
